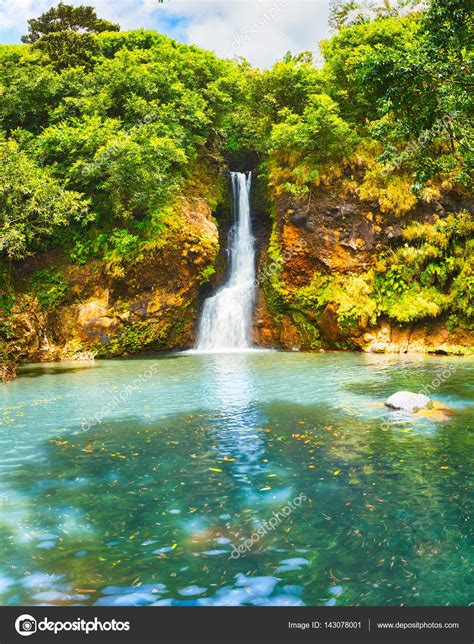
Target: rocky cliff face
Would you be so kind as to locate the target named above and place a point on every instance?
(340, 237)
(153, 305)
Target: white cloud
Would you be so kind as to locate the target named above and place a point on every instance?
(14, 14)
(260, 30)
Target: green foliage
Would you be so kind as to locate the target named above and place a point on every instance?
(351, 294)
(7, 302)
(30, 90)
(207, 274)
(124, 122)
(142, 335)
(462, 292)
(49, 287)
(264, 97)
(432, 274)
(86, 246)
(122, 246)
(32, 204)
(101, 132)
(351, 56)
(310, 335)
(270, 278)
(65, 17)
(122, 135)
(417, 303)
(305, 142)
(8, 362)
(403, 77)
(68, 48)
(65, 34)
(315, 296)
(422, 278)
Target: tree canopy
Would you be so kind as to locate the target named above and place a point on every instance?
(33, 205)
(65, 17)
(116, 123)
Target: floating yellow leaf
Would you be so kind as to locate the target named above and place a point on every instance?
(444, 467)
(336, 472)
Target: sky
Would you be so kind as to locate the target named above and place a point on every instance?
(261, 31)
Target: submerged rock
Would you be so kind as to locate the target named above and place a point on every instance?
(408, 401)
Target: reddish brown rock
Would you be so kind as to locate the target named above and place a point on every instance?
(329, 326)
(151, 304)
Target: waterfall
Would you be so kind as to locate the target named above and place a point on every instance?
(226, 317)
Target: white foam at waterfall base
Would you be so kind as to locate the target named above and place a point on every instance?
(227, 316)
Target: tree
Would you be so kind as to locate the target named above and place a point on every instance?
(67, 18)
(403, 77)
(32, 204)
(345, 13)
(67, 35)
(302, 144)
(318, 135)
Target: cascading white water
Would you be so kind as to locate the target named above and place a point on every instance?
(226, 316)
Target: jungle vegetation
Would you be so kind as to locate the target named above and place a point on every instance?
(101, 130)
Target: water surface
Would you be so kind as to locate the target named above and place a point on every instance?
(130, 482)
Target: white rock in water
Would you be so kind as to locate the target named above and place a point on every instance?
(408, 401)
